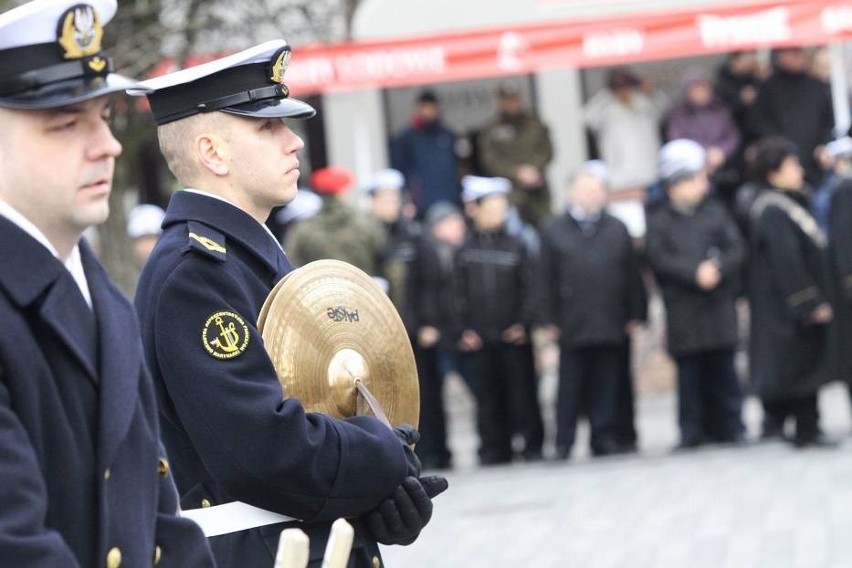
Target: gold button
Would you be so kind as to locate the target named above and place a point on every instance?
(113, 557)
(163, 467)
(376, 562)
(158, 553)
(205, 503)
(107, 473)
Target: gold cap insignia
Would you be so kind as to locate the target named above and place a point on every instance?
(225, 335)
(80, 32)
(97, 64)
(280, 62)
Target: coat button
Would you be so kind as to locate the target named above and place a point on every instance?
(107, 473)
(163, 467)
(113, 559)
(376, 562)
(158, 553)
(205, 503)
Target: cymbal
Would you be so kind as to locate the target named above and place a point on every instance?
(327, 326)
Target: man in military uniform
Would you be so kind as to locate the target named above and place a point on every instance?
(356, 239)
(232, 439)
(85, 480)
(517, 146)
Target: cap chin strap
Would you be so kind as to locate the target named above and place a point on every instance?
(37, 78)
(263, 93)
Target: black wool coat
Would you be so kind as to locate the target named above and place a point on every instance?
(590, 281)
(230, 434)
(677, 244)
(788, 279)
(84, 477)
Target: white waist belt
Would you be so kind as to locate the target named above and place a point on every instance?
(233, 517)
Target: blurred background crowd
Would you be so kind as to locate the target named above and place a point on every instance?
(722, 205)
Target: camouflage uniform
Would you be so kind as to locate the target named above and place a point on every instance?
(339, 232)
(507, 143)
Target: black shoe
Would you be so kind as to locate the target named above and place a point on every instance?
(608, 448)
(820, 441)
(687, 446)
(562, 454)
(532, 456)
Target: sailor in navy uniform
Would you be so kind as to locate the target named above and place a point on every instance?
(223, 130)
(85, 481)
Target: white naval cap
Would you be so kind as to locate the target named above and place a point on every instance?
(477, 187)
(681, 158)
(145, 219)
(306, 204)
(248, 83)
(388, 178)
(596, 169)
(840, 148)
(50, 54)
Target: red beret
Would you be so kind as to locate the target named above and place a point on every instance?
(331, 180)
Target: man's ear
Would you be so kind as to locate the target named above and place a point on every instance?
(213, 153)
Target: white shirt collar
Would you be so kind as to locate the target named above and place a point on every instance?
(74, 263)
(229, 202)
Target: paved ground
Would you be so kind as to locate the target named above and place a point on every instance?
(763, 505)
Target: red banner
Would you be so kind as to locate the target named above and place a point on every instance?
(525, 49)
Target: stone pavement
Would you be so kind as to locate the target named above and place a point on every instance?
(760, 505)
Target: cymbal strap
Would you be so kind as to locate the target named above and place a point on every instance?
(371, 401)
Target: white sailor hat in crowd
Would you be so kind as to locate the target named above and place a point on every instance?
(388, 178)
(595, 168)
(144, 220)
(306, 204)
(475, 188)
(50, 54)
(248, 83)
(840, 148)
(681, 158)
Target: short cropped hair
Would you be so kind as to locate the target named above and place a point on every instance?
(177, 144)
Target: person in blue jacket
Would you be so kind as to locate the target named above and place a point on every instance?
(425, 153)
(223, 129)
(85, 480)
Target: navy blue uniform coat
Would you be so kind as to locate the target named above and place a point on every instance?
(80, 458)
(227, 430)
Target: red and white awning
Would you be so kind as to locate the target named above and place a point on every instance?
(578, 43)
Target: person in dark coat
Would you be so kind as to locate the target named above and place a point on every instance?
(425, 153)
(495, 299)
(593, 297)
(385, 193)
(85, 480)
(840, 254)
(431, 308)
(232, 438)
(797, 106)
(737, 85)
(696, 253)
(788, 291)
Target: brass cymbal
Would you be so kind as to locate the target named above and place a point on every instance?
(327, 325)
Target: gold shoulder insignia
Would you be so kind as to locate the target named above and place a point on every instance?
(225, 335)
(209, 244)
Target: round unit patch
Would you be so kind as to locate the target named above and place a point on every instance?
(225, 335)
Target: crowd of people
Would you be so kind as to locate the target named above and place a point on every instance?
(732, 194)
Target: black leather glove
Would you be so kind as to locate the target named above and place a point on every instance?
(409, 436)
(400, 518)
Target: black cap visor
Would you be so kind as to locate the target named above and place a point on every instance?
(69, 92)
(273, 108)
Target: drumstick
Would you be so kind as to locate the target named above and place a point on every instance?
(339, 545)
(292, 549)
